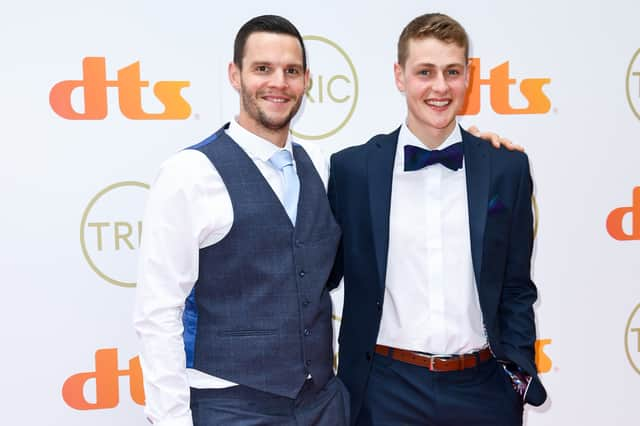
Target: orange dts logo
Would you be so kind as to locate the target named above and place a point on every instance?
(499, 83)
(105, 378)
(615, 218)
(94, 84)
(543, 362)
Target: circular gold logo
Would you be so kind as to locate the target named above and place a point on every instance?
(632, 339)
(111, 229)
(332, 95)
(633, 84)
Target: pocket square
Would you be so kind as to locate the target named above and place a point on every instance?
(496, 205)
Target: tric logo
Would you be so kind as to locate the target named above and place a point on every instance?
(632, 339)
(615, 218)
(94, 85)
(499, 83)
(105, 378)
(332, 94)
(633, 83)
(111, 230)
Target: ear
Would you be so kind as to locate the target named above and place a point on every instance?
(234, 76)
(398, 73)
(307, 75)
(467, 73)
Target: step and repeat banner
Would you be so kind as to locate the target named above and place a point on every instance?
(96, 95)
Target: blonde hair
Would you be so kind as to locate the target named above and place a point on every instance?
(436, 25)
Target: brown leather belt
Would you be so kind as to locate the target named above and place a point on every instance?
(436, 363)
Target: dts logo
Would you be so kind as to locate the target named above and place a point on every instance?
(105, 379)
(499, 82)
(543, 362)
(94, 84)
(614, 220)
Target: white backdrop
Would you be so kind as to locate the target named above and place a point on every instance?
(74, 189)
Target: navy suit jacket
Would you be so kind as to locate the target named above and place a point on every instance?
(499, 192)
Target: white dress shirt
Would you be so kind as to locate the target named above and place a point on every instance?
(188, 208)
(431, 301)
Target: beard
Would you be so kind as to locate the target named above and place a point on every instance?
(259, 115)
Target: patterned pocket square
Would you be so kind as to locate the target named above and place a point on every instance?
(496, 205)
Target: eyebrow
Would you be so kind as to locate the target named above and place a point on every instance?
(430, 65)
(258, 63)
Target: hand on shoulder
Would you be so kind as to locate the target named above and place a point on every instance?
(496, 140)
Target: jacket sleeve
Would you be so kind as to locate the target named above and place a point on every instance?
(519, 293)
(332, 192)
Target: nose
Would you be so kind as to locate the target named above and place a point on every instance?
(439, 83)
(279, 79)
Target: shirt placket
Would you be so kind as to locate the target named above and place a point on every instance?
(434, 258)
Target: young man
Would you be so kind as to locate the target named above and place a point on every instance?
(438, 326)
(248, 239)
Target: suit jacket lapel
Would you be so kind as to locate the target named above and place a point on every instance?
(380, 173)
(478, 172)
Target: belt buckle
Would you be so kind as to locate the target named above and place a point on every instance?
(434, 358)
(446, 360)
(432, 363)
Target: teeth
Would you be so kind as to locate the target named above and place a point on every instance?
(276, 100)
(438, 103)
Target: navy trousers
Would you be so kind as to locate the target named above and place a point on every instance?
(244, 406)
(403, 394)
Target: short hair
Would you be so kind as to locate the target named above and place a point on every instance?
(436, 25)
(265, 24)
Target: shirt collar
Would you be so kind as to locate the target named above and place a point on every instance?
(406, 137)
(255, 146)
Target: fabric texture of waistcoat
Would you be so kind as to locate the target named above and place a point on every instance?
(260, 311)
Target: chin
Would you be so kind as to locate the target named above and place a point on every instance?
(442, 124)
(276, 124)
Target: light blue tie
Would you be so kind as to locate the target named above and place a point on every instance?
(282, 160)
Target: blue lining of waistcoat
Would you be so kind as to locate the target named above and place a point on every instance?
(190, 324)
(209, 139)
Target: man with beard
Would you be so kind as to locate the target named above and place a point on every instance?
(233, 309)
(238, 244)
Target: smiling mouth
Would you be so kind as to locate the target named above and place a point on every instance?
(275, 99)
(438, 103)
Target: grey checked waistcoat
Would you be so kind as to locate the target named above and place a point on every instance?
(260, 313)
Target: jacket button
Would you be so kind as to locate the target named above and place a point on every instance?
(379, 306)
(305, 303)
(368, 356)
(301, 274)
(307, 332)
(308, 363)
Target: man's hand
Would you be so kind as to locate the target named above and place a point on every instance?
(495, 139)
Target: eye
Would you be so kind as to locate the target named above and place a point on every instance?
(292, 71)
(262, 68)
(453, 72)
(424, 72)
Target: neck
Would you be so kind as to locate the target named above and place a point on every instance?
(431, 137)
(277, 137)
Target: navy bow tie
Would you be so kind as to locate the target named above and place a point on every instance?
(416, 158)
